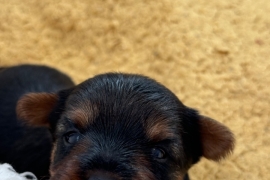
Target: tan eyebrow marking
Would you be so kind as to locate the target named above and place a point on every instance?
(159, 131)
(82, 113)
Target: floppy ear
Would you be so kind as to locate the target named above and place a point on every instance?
(35, 108)
(217, 140)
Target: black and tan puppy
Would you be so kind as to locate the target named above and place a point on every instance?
(118, 127)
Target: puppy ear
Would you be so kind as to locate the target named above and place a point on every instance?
(217, 140)
(35, 108)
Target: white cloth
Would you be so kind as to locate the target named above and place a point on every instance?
(8, 173)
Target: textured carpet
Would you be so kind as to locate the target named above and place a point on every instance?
(215, 55)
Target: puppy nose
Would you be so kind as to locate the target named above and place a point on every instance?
(101, 177)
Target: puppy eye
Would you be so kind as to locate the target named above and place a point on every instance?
(158, 153)
(71, 137)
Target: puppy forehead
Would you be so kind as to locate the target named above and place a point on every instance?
(156, 126)
(123, 97)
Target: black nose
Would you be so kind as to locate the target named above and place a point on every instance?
(102, 176)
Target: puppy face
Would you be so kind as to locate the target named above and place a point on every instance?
(123, 127)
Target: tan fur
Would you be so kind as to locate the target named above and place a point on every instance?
(35, 108)
(82, 113)
(159, 131)
(68, 168)
(68, 171)
(142, 166)
(217, 139)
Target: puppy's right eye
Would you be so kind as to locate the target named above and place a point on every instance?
(158, 153)
(71, 137)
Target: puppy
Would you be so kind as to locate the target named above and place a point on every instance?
(120, 127)
(26, 148)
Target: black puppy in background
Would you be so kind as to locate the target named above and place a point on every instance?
(26, 148)
(111, 127)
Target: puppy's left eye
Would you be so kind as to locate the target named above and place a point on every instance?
(71, 137)
(158, 153)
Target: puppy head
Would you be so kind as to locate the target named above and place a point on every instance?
(120, 126)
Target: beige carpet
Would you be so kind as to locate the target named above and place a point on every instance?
(215, 55)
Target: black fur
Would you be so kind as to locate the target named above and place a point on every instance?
(126, 102)
(24, 147)
(115, 143)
